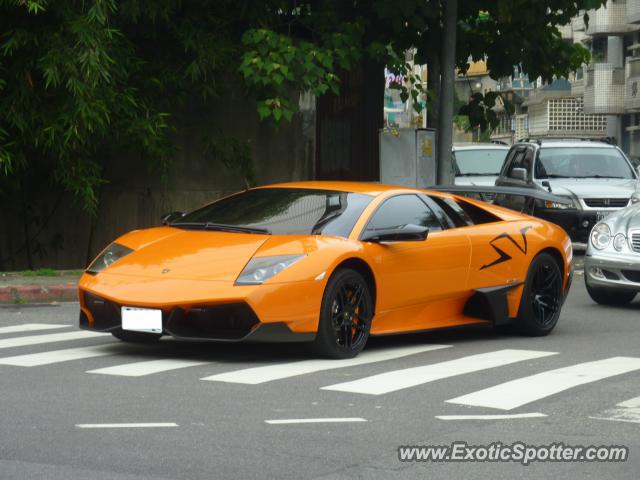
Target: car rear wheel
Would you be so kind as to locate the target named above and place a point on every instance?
(345, 315)
(541, 297)
(136, 337)
(607, 296)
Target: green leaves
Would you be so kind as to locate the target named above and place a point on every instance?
(276, 67)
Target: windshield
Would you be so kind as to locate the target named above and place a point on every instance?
(483, 161)
(282, 211)
(582, 162)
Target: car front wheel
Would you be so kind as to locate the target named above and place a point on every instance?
(345, 315)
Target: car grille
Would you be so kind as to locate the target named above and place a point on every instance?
(606, 202)
(635, 242)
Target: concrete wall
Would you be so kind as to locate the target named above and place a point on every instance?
(136, 196)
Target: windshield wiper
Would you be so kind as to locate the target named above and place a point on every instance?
(553, 175)
(222, 227)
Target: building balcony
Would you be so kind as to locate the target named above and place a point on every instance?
(632, 84)
(610, 19)
(604, 89)
(633, 11)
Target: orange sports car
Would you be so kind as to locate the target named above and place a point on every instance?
(330, 263)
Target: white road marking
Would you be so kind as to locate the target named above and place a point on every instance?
(490, 417)
(269, 373)
(48, 338)
(411, 377)
(59, 356)
(286, 421)
(125, 425)
(30, 327)
(627, 411)
(632, 403)
(521, 391)
(139, 369)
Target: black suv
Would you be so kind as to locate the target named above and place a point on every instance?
(594, 174)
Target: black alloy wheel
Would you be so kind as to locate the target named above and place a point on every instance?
(345, 315)
(541, 298)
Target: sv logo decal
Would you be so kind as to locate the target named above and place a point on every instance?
(504, 256)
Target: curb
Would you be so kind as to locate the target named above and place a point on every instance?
(26, 294)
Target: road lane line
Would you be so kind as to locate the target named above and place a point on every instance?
(509, 395)
(287, 421)
(125, 425)
(139, 369)
(59, 356)
(490, 417)
(30, 327)
(269, 373)
(48, 338)
(627, 411)
(411, 377)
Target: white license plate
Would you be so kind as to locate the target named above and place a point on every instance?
(141, 319)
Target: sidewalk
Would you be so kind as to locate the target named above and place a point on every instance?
(18, 288)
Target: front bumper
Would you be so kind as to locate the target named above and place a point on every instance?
(230, 322)
(207, 310)
(620, 271)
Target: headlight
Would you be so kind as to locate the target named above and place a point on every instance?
(259, 270)
(601, 236)
(559, 206)
(619, 241)
(635, 197)
(110, 255)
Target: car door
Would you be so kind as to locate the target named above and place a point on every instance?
(411, 274)
(522, 158)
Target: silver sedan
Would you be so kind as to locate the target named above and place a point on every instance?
(612, 261)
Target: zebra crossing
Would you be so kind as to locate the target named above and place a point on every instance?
(504, 396)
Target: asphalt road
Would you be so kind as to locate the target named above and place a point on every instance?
(218, 428)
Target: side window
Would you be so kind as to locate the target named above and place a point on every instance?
(506, 166)
(457, 215)
(403, 210)
(517, 162)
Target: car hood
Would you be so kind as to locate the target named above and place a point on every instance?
(624, 220)
(592, 187)
(480, 180)
(186, 254)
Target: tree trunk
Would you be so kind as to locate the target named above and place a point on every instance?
(445, 117)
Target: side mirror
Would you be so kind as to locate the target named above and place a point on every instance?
(402, 233)
(519, 174)
(168, 218)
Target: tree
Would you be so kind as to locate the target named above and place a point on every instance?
(79, 79)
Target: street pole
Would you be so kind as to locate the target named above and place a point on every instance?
(447, 70)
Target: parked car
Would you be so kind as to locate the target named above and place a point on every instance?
(478, 163)
(612, 261)
(595, 176)
(330, 263)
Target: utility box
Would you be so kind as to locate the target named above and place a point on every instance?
(408, 156)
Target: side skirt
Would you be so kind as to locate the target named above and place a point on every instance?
(490, 304)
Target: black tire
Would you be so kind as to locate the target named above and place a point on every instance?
(541, 297)
(136, 337)
(345, 316)
(608, 296)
